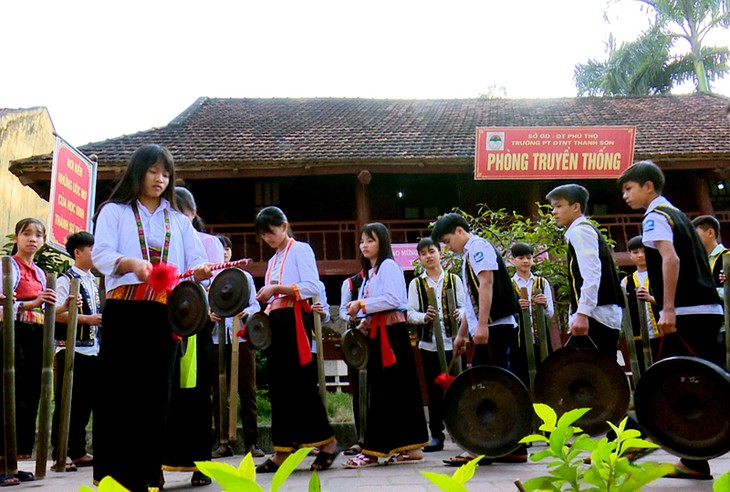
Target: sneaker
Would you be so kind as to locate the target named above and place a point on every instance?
(222, 451)
(256, 451)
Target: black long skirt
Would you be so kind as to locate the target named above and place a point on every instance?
(298, 416)
(136, 365)
(189, 435)
(395, 418)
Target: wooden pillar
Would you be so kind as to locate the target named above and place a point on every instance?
(362, 201)
(702, 195)
(532, 196)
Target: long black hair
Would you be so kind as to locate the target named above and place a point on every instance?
(269, 217)
(378, 231)
(186, 203)
(129, 187)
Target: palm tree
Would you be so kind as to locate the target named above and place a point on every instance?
(645, 66)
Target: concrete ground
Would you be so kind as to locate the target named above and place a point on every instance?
(387, 478)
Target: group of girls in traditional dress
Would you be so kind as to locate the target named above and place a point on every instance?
(153, 409)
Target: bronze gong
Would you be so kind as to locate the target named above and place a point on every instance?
(682, 403)
(573, 377)
(187, 308)
(355, 350)
(258, 331)
(487, 410)
(229, 292)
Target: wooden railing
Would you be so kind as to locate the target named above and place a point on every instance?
(336, 241)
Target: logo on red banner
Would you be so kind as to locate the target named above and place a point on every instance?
(553, 152)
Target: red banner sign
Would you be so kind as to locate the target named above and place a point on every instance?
(73, 187)
(553, 152)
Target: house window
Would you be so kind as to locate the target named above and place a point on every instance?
(266, 193)
(719, 194)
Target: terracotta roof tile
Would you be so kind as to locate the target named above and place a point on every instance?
(239, 131)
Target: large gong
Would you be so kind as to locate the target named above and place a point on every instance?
(487, 410)
(683, 403)
(573, 377)
(187, 308)
(229, 293)
(258, 331)
(355, 350)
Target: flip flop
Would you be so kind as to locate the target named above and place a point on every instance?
(402, 458)
(25, 476)
(362, 461)
(200, 480)
(323, 460)
(353, 450)
(463, 460)
(267, 466)
(8, 480)
(688, 474)
(633, 454)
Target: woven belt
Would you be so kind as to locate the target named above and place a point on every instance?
(137, 292)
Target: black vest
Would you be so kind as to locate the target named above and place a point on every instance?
(609, 290)
(695, 286)
(716, 268)
(504, 300)
(84, 334)
(425, 331)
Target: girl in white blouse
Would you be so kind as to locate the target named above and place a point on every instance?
(136, 227)
(396, 424)
(298, 415)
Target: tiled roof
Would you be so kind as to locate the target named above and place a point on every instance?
(226, 132)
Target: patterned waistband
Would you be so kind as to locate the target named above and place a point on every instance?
(32, 316)
(394, 317)
(281, 303)
(137, 292)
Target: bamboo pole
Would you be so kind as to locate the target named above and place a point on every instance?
(68, 380)
(644, 330)
(630, 343)
(320, 354)
(438, 332)
(529, 341)
(44, 417)
(541, 325)
(233, 394)
(11, 441)
(726, 268)
(451, 299)
(222, 386)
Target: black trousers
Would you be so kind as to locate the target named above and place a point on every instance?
(599, 336)
(248, 409)
(83, 394)
(431, 369)
(496, 351)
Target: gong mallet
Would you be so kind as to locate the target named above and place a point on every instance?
(68, 380)
(320, 354)
(11, 437)
(222, 385)
(44, 416)
(630, 343)
(529, 341)
(233, 403)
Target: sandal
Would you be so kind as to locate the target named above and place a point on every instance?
(200, 480)
(323, 460)
(681, 471)
(402, 458)
(362, 461)
(353, 450)
(25, 476)
(267, 466)
(70, 465)
(463, 460)
(8, 480)
(633, 454)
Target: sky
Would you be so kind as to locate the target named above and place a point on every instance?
(108, 68)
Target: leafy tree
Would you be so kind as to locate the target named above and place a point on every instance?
(646, 65)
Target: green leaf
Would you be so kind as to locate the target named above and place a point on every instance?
(644, 474)
(558, 439)
(722, 484)
(444, 482)
(569, 417)
(247, 468)
(286, 468)
(540, 455)
(227, 476)
(637, 443)
(541, 483)
(547, 415)
(314, 485)
(466, 471)
(534, 438)
(107, 484)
